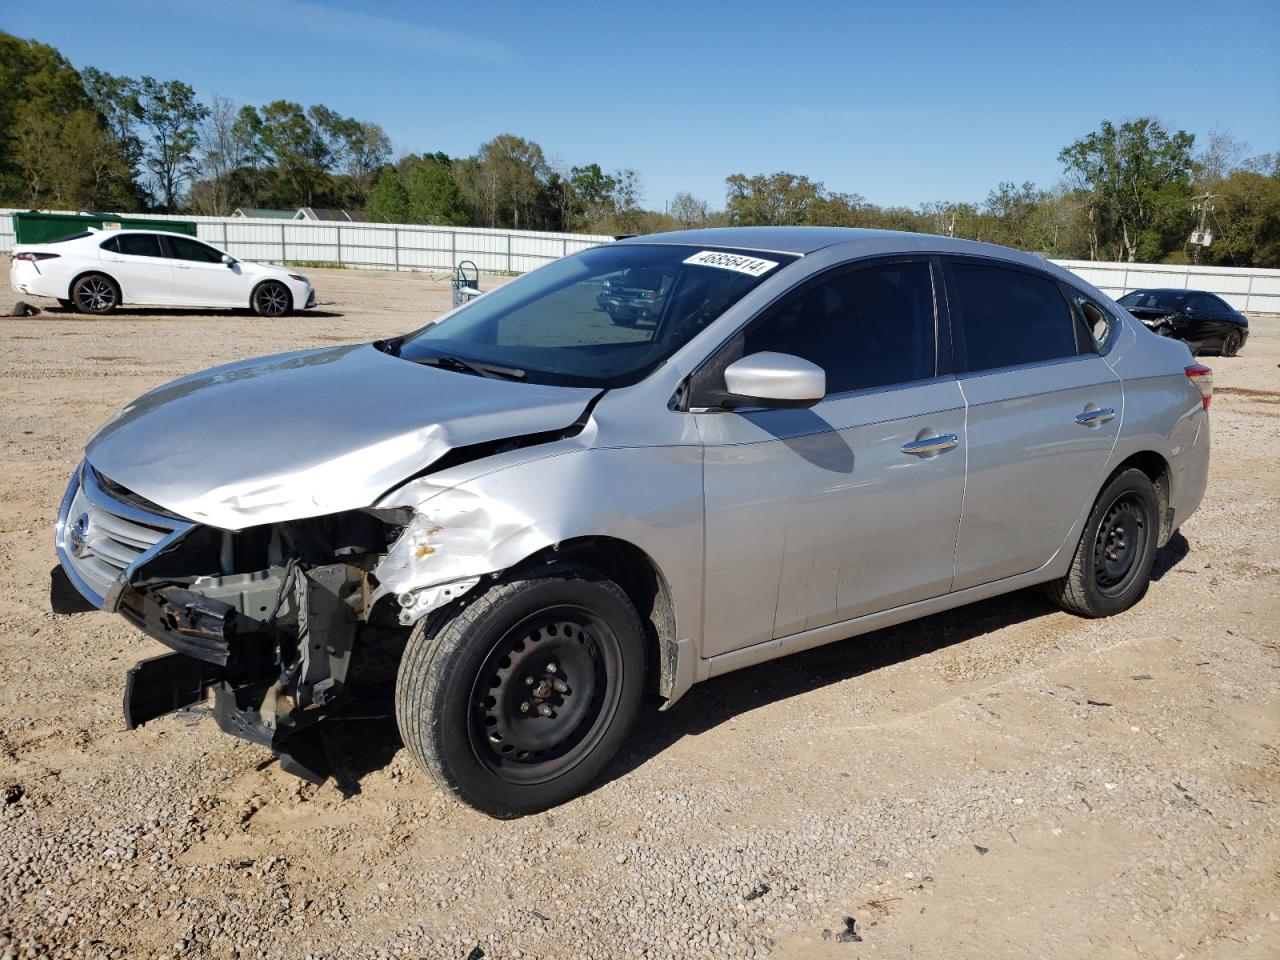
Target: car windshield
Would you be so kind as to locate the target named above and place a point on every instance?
(605, 317)
(1152, 299)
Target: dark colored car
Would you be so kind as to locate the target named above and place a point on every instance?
(632, 296)
(1201, 320)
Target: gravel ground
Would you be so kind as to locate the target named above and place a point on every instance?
(1001, 781)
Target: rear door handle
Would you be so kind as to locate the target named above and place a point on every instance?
(929, 445)
(1092, 418)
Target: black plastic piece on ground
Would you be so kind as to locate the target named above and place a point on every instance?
(163, 684)
(63, 596)
(237, 711)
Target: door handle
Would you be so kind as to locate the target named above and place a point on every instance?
(182, 266)
(931, 444)
(1092, 418)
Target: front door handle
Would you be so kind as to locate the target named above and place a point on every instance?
(1092, 418)
(928, 445)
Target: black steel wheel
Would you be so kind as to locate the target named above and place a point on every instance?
(95, 293)
(517, 699)
(543, 698)
(272, 299)
(1120, 541)
(1111, 567)
(1231, 343)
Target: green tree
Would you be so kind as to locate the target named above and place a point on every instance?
(71, 162)
(389, 200)
(504, 179)
(169, 114)
(1139, 179)
(434, 196)
(296, 148)
(1245, 219)
(36, 81)
(786, 198)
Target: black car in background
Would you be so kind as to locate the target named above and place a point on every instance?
(1203, 321)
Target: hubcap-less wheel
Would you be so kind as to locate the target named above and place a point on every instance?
(543, 697)
(1120, 542)
(272, 300)
(1231, 346)
(95, 295)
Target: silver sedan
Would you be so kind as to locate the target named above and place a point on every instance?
(625, 473)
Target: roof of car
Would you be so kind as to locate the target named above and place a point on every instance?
(799, 241)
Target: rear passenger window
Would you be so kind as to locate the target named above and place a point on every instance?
(139, 244)
(1009, 317)
(184, 249)
(111, 246)
(869, 327)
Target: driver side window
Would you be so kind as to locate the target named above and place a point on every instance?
(867, 327)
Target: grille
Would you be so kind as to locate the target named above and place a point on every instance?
(99, 535)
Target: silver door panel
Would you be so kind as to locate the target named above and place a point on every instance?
(815, 516)
(1032, 465)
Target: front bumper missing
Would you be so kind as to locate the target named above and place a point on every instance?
(175, 681)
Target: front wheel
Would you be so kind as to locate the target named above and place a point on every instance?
(1112, 564)
(1231, 344)
(518, 700)
(272, 299)
(96, 294)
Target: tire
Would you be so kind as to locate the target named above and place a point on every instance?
(1231, 344)
(271, 298)
(1112, 564)
(516, 701)
(95, 293)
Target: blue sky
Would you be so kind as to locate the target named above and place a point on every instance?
(903, 102)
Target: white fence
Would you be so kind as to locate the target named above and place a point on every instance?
(385, 246)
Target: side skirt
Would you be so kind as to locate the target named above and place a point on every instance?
(808, 639)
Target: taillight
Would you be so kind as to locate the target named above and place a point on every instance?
(33, 257)
(1202, 377)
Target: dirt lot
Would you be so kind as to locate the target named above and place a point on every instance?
(1001, 781)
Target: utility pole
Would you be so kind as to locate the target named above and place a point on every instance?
(1201, 238)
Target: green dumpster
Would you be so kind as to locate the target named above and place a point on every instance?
(33, 227)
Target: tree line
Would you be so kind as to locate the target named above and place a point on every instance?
(86, 139)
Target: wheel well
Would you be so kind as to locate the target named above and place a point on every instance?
(86, 273)
(1157, 470)
(257, 286)
(640, 579)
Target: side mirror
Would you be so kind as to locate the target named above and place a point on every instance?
(229, 260)
(774, 380)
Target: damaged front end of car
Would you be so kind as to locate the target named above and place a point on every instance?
(283, 624)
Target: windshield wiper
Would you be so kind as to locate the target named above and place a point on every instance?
(472, 366)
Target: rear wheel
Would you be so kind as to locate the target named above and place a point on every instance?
(518, 701)
(1112, 564)
(95, 293)
(1231, 343)
(272, 299)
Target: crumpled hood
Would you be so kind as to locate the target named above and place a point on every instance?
(308, 433)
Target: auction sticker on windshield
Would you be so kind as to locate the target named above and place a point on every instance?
(753, 266)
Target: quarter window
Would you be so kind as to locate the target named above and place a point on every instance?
(1010, 317)
(1097, 321)
(184, 249)
(139, 244)
(869, 327)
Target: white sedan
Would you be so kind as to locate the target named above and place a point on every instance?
(99, 270)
